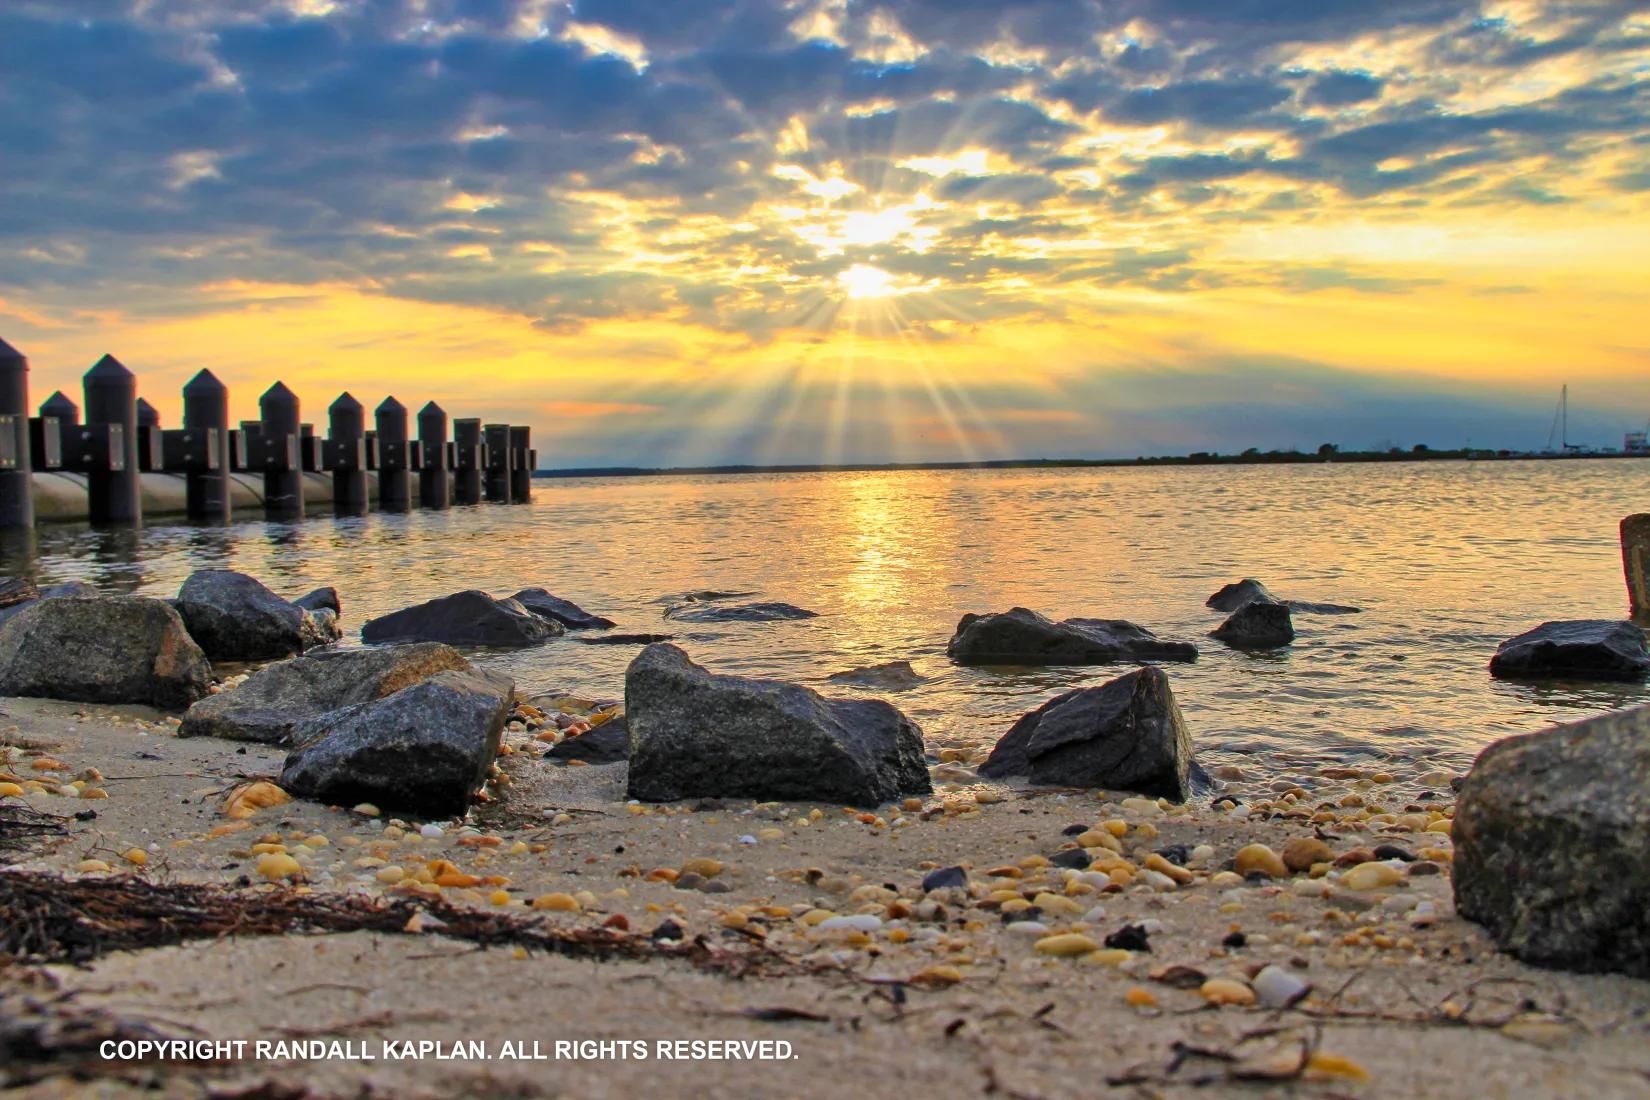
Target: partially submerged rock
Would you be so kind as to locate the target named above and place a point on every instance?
(1023, 637)
(624, 639)
(887, 676)
(277, 699)
(1552, 844)
(102, 649)
(608, 743)
(697, 734)
(322, 599)
(1256, 626)
(1125, 735)
(423, 750)
(565, 612)
(738, 613)
(1578, 649)
(233, 617)
(1232, 596)
(471, 618)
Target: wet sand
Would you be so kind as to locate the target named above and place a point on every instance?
(922, 1003)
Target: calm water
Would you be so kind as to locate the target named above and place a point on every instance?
(1447, 558)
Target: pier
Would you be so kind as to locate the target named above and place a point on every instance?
(120, 464)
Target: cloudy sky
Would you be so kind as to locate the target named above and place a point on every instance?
(681, 231)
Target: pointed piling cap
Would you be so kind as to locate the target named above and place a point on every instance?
(9, 354)
(278, 395)
(147, 415)
(204, 382)
(346, 403)
(391, 405)
(109, 369)
(431, 411)
(60, 406)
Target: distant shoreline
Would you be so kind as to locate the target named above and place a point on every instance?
(1264, 458)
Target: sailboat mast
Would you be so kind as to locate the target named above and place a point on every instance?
(1564, 413)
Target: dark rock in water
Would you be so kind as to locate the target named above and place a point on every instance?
(1552, 844)
(322, 599)
(471, 618)
(1235, 595)
(1023, 637)
(274, 701)
(946, 878)
(888, 676)
(1578, 649)
(1256, 626)
(625, 639)
(1201, 781)
(1125, 735)
(565, 612)
(1306, 607)
(423, 750)
(738, 613)
(47, 592)
(704, 595)
(608, 743)
(233, 617)
(1075, 858)
(102, 649)
(696, 734)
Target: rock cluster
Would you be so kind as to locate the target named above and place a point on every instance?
(697, 734)
(569, 614)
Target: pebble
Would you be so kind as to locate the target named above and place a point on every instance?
(706, 868)
(945, 878)
(390, 875)
(1258, 857)
(136, 856)
(432, 831)
(1372, 876)
(1028, 928)
(275, 866)
(92, 866)
(364, 809)
(1066, 946)
(1279, 988)
(859, 922)
(1227, 991)
(1302, 852)
(557, 903)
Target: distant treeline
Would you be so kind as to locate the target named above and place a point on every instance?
(1254, 456)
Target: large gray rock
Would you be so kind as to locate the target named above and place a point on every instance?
(324, 598)
(47, 592)
(102, 649)
(695, 734)
(738, 613)
(471, 618)
(278, 698)
(422, 750)
(233, 617)
(1579, 649)
(1125, 735)
(1256, 625)
(565, 612)
(1552, 844)
(1023, 637)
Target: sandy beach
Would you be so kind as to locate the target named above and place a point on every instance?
(947, 992)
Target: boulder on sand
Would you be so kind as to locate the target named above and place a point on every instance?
(1125, 735)
(1256, 626)
(471, 618)
(233, 617)
(1578, 649)
(1552, 844)
(565, 612)
(608, 743)
(738, 613)
(1023, 637)
(46, 592)
(102, 649)
(423, 750)
(696, 734)
(274, 701)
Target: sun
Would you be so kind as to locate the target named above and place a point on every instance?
(865, 281)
